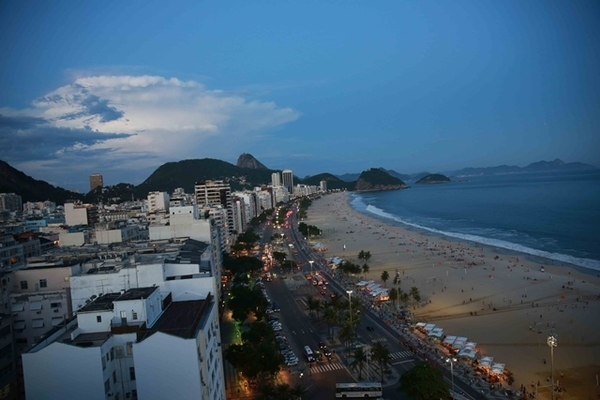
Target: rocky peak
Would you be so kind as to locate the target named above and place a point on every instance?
(248, 161)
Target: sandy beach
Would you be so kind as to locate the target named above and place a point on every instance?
(507, 303)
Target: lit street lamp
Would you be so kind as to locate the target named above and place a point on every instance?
(552, 342)
(350, 304)
(451, 361)
(311, 263)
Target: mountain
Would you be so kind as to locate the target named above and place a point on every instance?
(15, 181)
(376, 179)
(433, 178)
(555, 165)
(246, 160)
(349, 177)
(186, 173)
(333, 182)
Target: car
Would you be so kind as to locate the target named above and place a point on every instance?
(277, 328)
(276, 307)
(292, 363)
(333, 295)
(322, 345)
(269, 311)
(327, 353)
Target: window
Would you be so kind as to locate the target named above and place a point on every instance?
(114, 376)
(134, 315)
(123, 314)
(107, 386)
(98, 318)
(112, 354)
(129, 348)
(57, 304)
(132, 373)
(23, 285)
(43, 283)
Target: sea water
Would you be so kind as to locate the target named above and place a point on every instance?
(550, 215)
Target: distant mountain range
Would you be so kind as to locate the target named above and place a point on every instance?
(540, 166)
(248, 173)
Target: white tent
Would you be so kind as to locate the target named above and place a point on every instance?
(420, 325)
(498, 368)
(429, 327)
(468, 352)
(436, 333)
(459, 342)
(486, 361)
(364, 283)
(449, 339)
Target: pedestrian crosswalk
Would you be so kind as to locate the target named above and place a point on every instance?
(325, 367)
(379, 340)
(401, 354)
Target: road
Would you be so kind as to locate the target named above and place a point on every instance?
(402, 358)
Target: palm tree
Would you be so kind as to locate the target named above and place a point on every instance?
(332, 317)
(404, 298)
(298, 391)
(360, 358)
(414, 293)
(394, 296)
(311, 303)
(381, 355)
(365, 268)
(318, 306)
(384, 277)
(346, 334)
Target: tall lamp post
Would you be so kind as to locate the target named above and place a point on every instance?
(451, 360)
(552, 342)
(350, 304)
(311, 263)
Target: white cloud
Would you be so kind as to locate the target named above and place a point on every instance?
(164, 118)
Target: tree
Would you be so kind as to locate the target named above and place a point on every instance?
(394, 296)
(279, 256)
(360, 358)
(384, 277)
(404, 298)
(332, 317)
(414, 293)
(365, 269)
(424, 382)
(381, 355)
(346, 334)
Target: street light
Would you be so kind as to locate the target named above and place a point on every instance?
(552, 342)
(452, 361)
(311, 263)
(350, 305)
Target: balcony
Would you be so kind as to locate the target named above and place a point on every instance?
(126, 327)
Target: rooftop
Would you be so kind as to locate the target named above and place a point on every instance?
(180, 318)
(102, 303)
(137, 293)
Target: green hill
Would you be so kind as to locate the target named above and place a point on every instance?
(15, 181)
(376, 179)
(433, 178)
(333, 182)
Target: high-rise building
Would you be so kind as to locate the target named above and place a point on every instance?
(11, 202)
(96, 180)
(216, 193)
(288, 180)
(275, 179)
(158, 201)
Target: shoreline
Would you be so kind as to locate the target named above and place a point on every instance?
(512, 298)
(544, 256)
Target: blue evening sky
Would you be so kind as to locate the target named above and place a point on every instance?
(315, 86)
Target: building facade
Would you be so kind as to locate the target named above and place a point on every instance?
(96, 180)
(288, 180)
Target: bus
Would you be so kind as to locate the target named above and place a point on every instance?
(310, 357)
(360, 389)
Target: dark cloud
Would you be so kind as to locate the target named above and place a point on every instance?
(31, 139)
(95, 106)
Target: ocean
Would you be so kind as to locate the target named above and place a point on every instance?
(550, 215)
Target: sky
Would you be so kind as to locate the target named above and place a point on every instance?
(119, 88)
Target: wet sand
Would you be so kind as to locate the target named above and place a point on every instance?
(517, 305)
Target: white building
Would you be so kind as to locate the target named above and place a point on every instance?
(138, 343)
(158, 201)
(275, 179)
(288, 180)
(80, 214)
